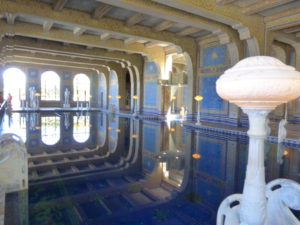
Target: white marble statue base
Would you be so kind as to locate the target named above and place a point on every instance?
(282, 195)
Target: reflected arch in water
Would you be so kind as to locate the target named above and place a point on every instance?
(81, 128)
(151, 146)
(113, 126)
(102, 129)
(16, 89)
(50, 129)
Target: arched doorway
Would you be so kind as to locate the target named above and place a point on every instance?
(102, 91)
(50, 86)
(16, 89)
(113, 91)
(128, 90)
(177, 95)
(81, 87)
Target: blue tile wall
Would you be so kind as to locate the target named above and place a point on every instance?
(33, 72)
(211, 99)
(211, 193)
(215, 55)
(66, 75)
(211, 158)
(67, 140)
(149, 141)
(150, 93)
(33, 142)
(151, 68)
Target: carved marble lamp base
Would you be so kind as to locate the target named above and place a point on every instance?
(282, 194)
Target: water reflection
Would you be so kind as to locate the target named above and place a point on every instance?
(50, 129)
(128, 171)
(81, 127)
(15, 123)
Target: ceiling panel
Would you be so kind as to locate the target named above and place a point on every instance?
(119, 13)
(281, 8)
(151, 21)
(176, 28)
(86, 5)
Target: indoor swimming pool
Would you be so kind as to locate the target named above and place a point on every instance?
(92, 168)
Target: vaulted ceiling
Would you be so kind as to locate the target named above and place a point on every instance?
(134, 25)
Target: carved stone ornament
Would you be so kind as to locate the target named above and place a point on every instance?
(10, 143)
(259, 82)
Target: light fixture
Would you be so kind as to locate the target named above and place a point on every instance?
(198, 98)
(196, 156)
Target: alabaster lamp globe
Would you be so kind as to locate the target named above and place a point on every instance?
(257, 84)
(259, 81)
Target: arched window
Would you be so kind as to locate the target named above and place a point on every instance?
(81, 128)
(50, 130)
(50, 86)
(14, 82)
(81, 87)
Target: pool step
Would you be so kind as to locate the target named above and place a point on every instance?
(139, 198)
(60, 152)
(69, 169)
(61, 161)
(157, 193)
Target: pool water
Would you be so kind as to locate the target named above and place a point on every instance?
(95, 168)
